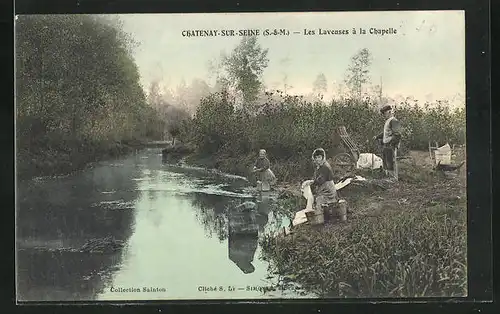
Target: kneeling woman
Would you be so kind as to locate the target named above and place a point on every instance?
(265, 176)
(322, 186)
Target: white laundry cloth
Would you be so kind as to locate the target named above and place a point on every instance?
(300, 216)
(369, 161)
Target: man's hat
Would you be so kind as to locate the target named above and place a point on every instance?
(385, 108)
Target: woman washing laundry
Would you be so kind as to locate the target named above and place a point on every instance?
(322, 186)
(265, 177)
(320, 193)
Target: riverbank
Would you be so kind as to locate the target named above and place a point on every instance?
(289, 171)
(406, 239)
(63, 158)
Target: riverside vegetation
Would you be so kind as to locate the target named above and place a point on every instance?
(407, 241)
(78, 97)
(291, 128)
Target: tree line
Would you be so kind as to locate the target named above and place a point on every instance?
(230, 125)
(77, 91)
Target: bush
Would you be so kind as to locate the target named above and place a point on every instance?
(407, 254)
(290, 128)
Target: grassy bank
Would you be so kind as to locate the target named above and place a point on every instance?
(399, 254)
(408, 240)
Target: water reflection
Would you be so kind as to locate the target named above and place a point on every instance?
(211, 213)
(246, 222)
(242, 248)
(263, 210)
(56, 216)
(174, 223)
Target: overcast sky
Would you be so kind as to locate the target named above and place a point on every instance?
(425, 59)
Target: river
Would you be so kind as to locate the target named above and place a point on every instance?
(179, 231)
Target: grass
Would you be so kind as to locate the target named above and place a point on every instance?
(406, 241)
(405, 254)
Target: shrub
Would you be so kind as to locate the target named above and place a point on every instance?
(290, 128)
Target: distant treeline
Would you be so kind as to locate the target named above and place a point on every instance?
(290, 129)
(78, 96)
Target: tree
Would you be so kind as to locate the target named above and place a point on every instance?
(358, 71)
(168, 95)
(175, 117)
(157, 102)
(154, 95)
(320, 85)
(245, 66)
(76, 78)
(285, 62)
(181, 94)
(197, 90)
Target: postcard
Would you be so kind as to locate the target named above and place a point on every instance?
(240, 156)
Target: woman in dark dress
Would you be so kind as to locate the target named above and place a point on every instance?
(322, 186)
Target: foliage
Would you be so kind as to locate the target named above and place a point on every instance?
(212, 124)
(76, 85)
(244, 67)
(320, 85)
(291, 128)
(174, 120)
(171, 112)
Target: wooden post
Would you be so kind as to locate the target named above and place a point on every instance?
(373, 160)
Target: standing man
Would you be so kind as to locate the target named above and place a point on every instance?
(390, 138)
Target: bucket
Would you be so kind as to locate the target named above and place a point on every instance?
(338, 211)
(342, 210)
(265, 186)
(315, 217)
